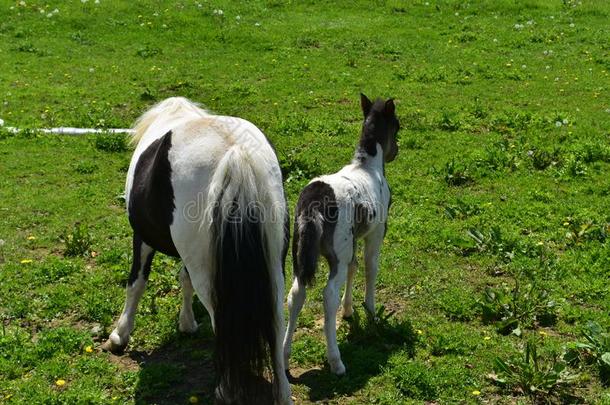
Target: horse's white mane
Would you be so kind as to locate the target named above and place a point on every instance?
(172, 106)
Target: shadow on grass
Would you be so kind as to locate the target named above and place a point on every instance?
(365, 349)
(179, 369)
(174, 372)
(182, 368)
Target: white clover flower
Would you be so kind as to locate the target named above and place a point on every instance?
(238, 17)
(530, 153)
(495, 39)
(84, 1)
(2, 242)
(530, 22)
(257, 24)
(218, 12)
(547, 67)
(565, 121)
(571, 25)
(91, 70)
(22, 3)
(56, 11)
(1, 124)
(523, 66)
(49, 15)
(97, 1)
(558, 124)
(518, 26)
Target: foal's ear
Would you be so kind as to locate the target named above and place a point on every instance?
(366, 105)
(389, 107)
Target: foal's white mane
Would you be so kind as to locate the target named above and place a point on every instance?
(173, 106)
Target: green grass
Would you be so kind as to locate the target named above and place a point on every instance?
(501, 181)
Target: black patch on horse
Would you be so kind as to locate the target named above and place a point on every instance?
(151, 201)
(316, 198)
(286, 241)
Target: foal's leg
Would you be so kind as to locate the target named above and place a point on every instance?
(372, 247)
(348, 307)
(187, 321)
(140, 269)
(338, 273)
(296, 298)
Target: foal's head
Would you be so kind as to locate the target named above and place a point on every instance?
(380, 127)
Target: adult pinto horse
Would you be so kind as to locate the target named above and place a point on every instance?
(208, 189)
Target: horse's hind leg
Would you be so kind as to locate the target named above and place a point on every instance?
(140, 270)
(281, 386)
(187, 321)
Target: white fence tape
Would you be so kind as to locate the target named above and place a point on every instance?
(72, 131)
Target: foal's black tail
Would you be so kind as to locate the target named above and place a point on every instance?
(306, 246)
(316, 209)
(243, 298)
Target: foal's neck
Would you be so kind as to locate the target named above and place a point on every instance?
(369, 162)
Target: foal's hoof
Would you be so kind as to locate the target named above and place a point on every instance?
(348, 313)
(337, 368)
(114, 344)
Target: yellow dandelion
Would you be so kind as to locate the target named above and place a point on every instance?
(60, 382)
(89, 349)
(487, 338)
(476, 392)
(193, 399)
(26, 261)
(542, 333)
(420, 332)
(31, 237)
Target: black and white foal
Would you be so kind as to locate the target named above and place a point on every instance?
(332, 213)
(208, 189)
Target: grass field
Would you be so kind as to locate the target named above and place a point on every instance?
(495, 269)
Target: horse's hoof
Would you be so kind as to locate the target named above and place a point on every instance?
(186, 327)
(114, 344)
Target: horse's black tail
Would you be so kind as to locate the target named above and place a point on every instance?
(244, 296)
(306, 246)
